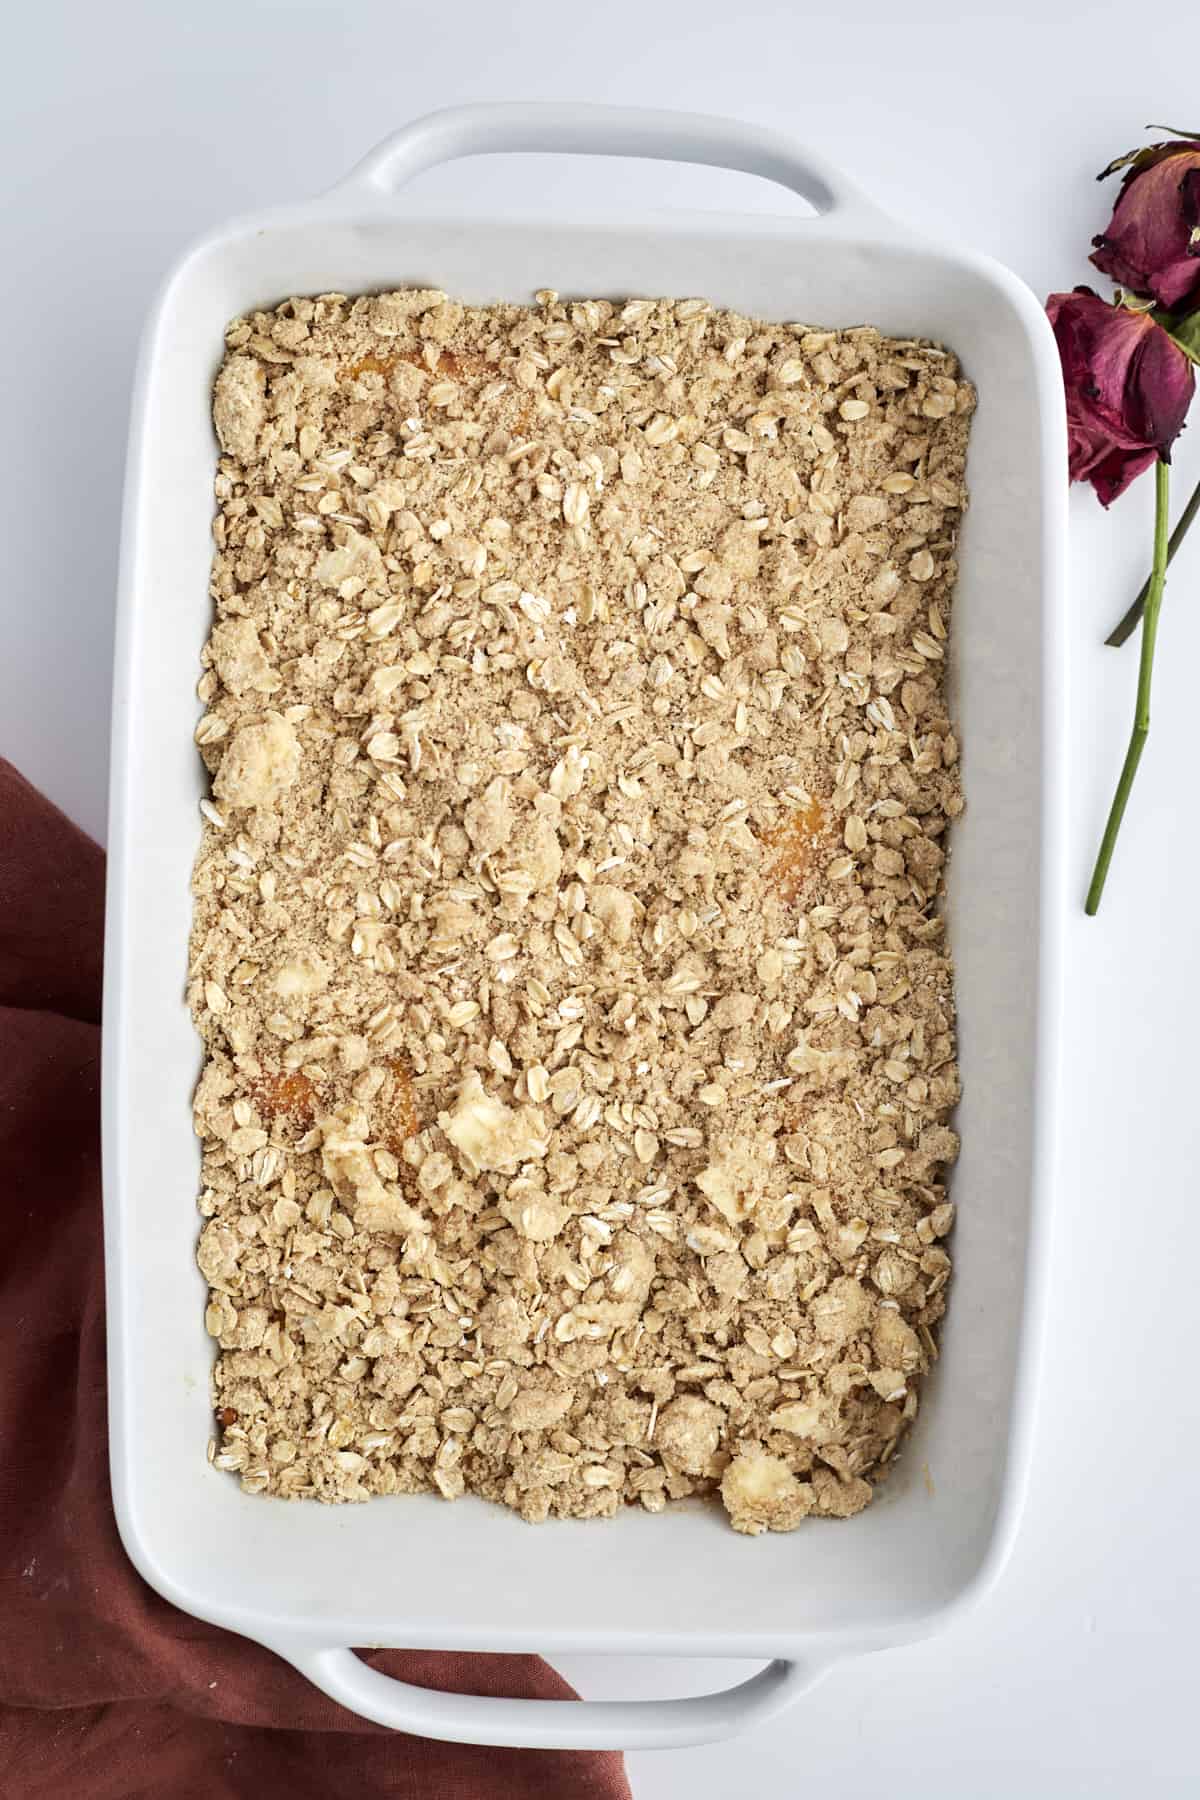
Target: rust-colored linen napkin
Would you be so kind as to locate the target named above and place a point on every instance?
(106, 1691)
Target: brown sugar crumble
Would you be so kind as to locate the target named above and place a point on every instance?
(578, 1024)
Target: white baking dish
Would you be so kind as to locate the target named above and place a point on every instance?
(309, 1580)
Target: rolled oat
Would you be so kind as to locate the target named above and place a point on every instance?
(578, 1028)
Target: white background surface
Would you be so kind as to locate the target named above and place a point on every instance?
(130, 128)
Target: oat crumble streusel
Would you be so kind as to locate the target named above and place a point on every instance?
(578, 1027)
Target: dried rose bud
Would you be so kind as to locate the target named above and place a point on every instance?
(1128, 384)
(1152, 244)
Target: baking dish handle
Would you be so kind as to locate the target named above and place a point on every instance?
(558, 129)
(550, 1724)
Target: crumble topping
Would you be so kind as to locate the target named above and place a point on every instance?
(578, 1026)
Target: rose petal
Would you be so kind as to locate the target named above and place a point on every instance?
(1147, 246)
(1128, 388)
(1111, 476)
(1159, 388)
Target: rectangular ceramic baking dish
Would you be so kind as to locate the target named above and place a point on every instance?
(309, 1580)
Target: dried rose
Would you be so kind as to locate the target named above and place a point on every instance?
(1152, 244)
(1128, 384)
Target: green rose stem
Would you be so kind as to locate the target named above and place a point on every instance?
(1141, 716)
(1126, 628)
